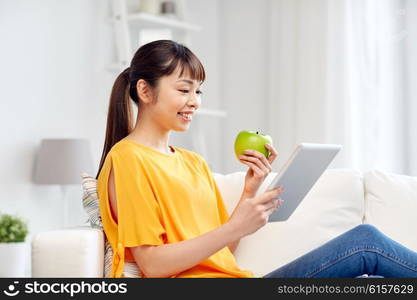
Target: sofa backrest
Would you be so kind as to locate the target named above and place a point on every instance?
(391, 205)
(334, 205)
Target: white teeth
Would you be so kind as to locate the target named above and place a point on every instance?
(186, 116)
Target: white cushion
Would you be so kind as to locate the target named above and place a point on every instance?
(391, 205)
(74, 252)
(333, 206)
(230, 186)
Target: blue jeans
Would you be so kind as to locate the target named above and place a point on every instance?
(361, 250)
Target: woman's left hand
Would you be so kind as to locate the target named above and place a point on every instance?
(259, 168)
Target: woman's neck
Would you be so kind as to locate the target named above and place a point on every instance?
(150, 139)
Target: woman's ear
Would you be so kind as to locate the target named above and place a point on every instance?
(144, 91)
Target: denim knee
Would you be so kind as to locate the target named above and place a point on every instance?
(367, 231)
(367, 228)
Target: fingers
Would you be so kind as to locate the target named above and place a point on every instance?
(273, 205)
(255, 168)
(270, 194)
(274, 153)
(270, 211)
(259, 159)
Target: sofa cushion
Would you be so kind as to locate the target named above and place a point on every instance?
(90, 200)
(334, 205)
(71, 252)
(391, 205)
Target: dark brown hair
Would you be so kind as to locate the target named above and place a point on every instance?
(150, 63)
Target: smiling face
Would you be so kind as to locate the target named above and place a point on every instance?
(177, 98)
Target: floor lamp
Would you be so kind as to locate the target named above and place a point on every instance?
(61, 162)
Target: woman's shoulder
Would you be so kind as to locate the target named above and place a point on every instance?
(122, 154)
(119, 153)
(124, 148)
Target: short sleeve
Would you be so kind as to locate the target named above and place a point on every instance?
(223, 213)
(139, 215)
(138, 211)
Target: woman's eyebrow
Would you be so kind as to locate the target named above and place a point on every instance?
(187, 81)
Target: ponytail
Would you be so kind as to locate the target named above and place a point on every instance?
(119, 117)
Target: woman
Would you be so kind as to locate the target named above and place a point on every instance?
(160, 205)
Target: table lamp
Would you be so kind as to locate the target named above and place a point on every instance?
(61, 162)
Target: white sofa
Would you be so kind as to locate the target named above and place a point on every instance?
(339, 201)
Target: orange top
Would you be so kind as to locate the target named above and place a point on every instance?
(162, 198)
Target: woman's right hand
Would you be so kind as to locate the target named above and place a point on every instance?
(253, 213)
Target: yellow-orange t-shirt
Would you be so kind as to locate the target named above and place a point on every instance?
(162, 198)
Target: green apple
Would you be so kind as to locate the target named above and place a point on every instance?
(252, 140)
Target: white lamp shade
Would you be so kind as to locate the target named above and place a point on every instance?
(61, 161)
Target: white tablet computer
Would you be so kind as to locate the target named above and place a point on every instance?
(305, 166)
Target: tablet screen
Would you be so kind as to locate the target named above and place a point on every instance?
(302, 170)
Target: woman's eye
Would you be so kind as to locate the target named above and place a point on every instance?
(186, 91)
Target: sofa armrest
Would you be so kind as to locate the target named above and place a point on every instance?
(72, 252)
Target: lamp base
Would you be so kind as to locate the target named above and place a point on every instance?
(64, 191)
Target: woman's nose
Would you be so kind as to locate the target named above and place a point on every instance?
(194, 101)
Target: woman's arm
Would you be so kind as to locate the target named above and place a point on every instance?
(233, 245)
(168, 259)
(174, 258)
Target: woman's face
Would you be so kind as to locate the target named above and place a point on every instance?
(176, 94)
